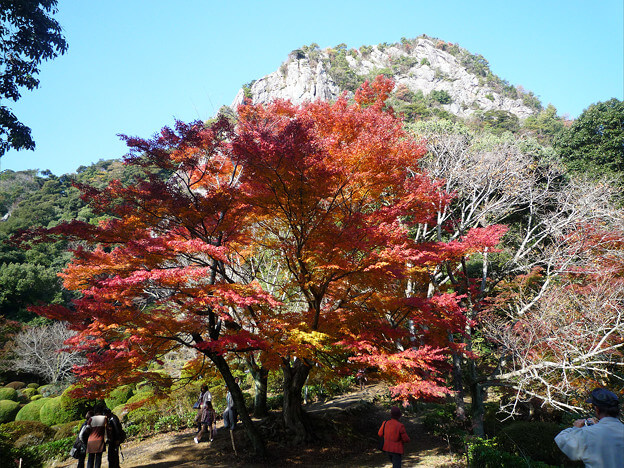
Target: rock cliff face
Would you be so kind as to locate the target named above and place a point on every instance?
(422, 65)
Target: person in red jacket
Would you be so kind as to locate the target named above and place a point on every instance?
(394, 436)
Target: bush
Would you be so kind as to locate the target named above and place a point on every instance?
(9, 455)
(16, 385)
(119, 396)
(36, 397)
(486, 454)
(32, 385)
(76, 408)
(51, 390)
(28, 393)
(145, 395)
(16, 429)
(52, 413)
(171, 422)
(533, 439)
(8, 410)
(275, 402)
(31, 411)
(54, 449)
(69, 429)
(441, 422)
(8, 393)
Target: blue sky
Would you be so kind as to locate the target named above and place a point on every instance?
(133, 66)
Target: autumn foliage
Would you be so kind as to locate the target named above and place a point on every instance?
(287, 234)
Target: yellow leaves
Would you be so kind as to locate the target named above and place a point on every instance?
(314, 338)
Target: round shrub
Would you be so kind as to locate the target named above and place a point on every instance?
(30, 412)
(28, 392)
(8, 393)
(75, 407)
(8, 410)
(36, 397)
(32, 385)
(145, 395)
(69, 429)
(16, 385)
(52, 413)
(119, 396)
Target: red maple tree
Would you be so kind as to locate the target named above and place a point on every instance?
(287, 235)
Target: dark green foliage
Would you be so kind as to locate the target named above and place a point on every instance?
(499, 121)
(403, 64)
(275, 401)
(10, 455)
(546, 125)
(440, 420)
(247, 89)
(594, 144)
(8, 410)
(533, 439)
(54, 449)
(340, 71)
(31, 411)
(8, 393)
(29, 35)
(486, 454)
(440, 96)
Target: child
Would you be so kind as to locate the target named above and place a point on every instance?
(208, 418)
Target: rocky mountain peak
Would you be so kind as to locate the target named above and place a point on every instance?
(438, 72)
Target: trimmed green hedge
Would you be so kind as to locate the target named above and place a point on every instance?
(31, 411)
(119, 396)
(8, 410)
(52, 413)
(16, 385)
(8, 393)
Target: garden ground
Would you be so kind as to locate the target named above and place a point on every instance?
(346, 426)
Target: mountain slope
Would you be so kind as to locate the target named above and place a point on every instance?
(441, 74)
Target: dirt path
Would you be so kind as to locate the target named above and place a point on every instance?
(179, 450)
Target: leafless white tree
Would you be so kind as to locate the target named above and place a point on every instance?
(41, 350)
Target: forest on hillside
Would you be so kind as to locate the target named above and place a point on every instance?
(292, 246)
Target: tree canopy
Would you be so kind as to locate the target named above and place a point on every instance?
(594, 143)
(287, 235)
(29, 35)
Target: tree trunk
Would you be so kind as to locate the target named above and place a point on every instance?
(239, 402)
(295, 418)
(477, 394)
(458, 388)
(261, 377)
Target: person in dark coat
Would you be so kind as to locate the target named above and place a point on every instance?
(395, 436)
(113, 435)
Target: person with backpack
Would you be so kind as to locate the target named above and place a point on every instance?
(115, 436)
(394, 436)
(79, 449)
